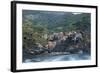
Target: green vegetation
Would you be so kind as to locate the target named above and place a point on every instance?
(36, 28)
(33, 34)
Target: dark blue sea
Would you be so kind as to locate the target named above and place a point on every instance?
(52, 58)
